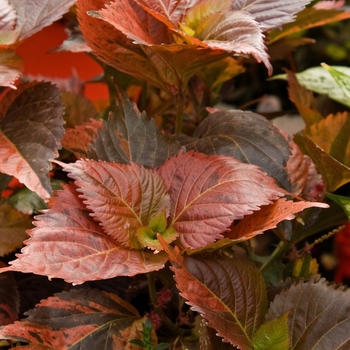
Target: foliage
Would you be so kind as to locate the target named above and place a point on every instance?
(159, 205)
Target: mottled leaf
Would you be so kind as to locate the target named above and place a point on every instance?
(308, 18)
(9, 299)
(268, 217)
(13, 226)
(342, 79)
(271, 13)
(11, 66)
(246, 136)
(319, 315)
(30, 134)
(33, 15)
(332, 135)
(228, 293)
(319, 80)
(122, 197)
(129, 136)
(273, 335)
(334, 173)
(80, 318)
(209, 192)
(78, 139)
(344, 202)
(67, 243)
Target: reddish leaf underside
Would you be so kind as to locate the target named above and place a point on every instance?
(229, 294)
(268, 217)
(67, 243)
(83, 318)
(209, 192)
(122, 197)
(30, 134)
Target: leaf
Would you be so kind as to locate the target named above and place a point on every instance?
(121, 197)
(78, 139)
(228, 293)
(11, 66)
(343, 80)
(297, 168)
(67, 243)
(9, 299)
(334, 173)
(246, 136)
(113, 48)
(273, 335)
(34, 15)
(271, 14)
(344, 202)
(7, 16)
(319, 80)
(304, 267)
(332, 135)
(303, 99)
(319, 316)
(78, 109)
(268, 217)
(209, 192)
(30, 134)
(13, 226)
(129, 136)
(80, 318)
(235, 32)
(308, 18)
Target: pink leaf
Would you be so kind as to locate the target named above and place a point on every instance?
(209, 192)
(67, 243)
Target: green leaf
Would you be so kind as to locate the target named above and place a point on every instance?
(319, 315)
(129, 136)
(342, 79)
(273, 335)
(319, 80)
(246, 136)
(80, 318)
(229, 294)
(344, 202)
(334, 173)
(30, 134)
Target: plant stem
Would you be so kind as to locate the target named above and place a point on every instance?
(180, 106)
(153, 296)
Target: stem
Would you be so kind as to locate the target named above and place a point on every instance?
(278, 253)
(180, 111)
(153, 296)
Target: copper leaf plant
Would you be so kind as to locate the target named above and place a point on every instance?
(185, 225)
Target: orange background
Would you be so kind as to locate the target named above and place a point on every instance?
(59, 65)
